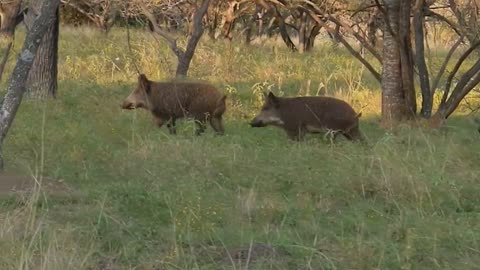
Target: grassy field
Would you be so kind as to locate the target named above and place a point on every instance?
(143, 199)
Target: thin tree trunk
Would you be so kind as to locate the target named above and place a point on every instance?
(311, 38)
(302, 32)
(406, 58)
(6, 53)
(16, 86)
(11, 16)
(185, 58)
(418, 23)
(42, 79)
(283, 30)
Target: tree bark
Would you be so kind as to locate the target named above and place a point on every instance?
(16, 87)
(42, 79)
(397, 79)
(418, 24)
(406, 58)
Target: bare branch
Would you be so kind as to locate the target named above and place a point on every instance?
(444, 65)
(455, 70)
(469, 80)
(171, 41)
(347, 46)
(442, 18)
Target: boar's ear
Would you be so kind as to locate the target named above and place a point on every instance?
(272, 98)
(143, 82)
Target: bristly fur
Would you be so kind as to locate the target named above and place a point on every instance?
(169, 101)
(313, 114)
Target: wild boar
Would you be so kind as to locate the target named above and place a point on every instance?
(171, 100)
(301, 115)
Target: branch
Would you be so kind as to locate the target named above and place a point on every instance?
(344, 25)
(347, 46)
(455, 70)
(367, 45)
(444, 65)
(89, 15)
(387, 20)
(469, 80)
(171, 41)
(442, 18)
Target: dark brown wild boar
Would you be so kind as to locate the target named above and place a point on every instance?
(299, 115)
(171, 100)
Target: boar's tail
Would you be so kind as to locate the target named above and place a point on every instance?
(358, 115)
(220, 106)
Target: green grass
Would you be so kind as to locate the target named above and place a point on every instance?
(149, 200)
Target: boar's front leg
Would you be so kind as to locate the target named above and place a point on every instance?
(297, 134)
(200, 127)
(171, 126)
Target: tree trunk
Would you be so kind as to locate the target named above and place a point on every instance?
(406, 58)
(418, 22)
(283, 30)
(397, 79)
(42, 79)
(302, 32)
(185, 58)
(16, 87)
(310, 42)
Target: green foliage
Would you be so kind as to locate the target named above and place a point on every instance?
(151, 200)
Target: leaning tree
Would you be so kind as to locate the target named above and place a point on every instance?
(46, 16)
(42, 78)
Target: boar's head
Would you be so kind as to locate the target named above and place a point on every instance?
(269, 114)
(139, 97)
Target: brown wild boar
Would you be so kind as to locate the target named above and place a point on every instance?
(299, 115)
(169, 101)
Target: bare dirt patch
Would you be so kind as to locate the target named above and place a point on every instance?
(13, 184)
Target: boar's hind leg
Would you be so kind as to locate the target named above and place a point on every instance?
(217, 125)
(296, 134)
(171, 126)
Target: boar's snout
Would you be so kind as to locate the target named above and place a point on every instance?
(127, 105)
(257, 123)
